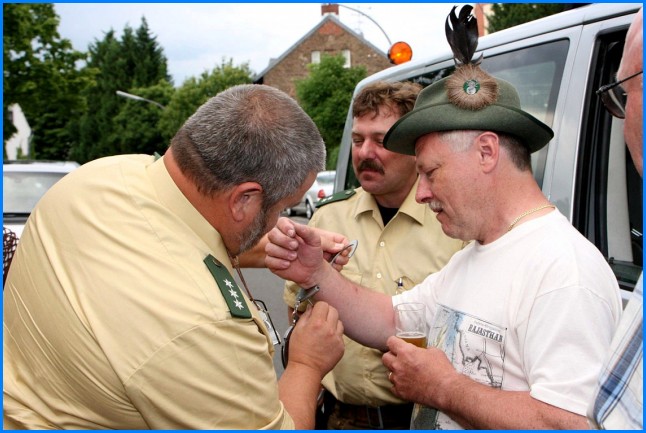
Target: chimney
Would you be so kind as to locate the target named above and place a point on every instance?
(330, 8)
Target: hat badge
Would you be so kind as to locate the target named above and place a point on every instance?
(471, 87)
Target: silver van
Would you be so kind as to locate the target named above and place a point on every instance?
(557, 63)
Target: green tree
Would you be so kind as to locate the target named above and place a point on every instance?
(325, 96)
(112, 125)
(40, 75)
(196, 91)
(505, 15)
(95, 126)
(136, 124)
(149, 63)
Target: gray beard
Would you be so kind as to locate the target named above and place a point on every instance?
(252, 235)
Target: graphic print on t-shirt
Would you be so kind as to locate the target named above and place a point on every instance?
(475, 347)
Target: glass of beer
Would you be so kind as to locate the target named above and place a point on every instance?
(410, 323)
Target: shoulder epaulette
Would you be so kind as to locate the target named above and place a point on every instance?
(339, 196)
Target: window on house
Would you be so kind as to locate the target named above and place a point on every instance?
(316, 57)
(346, 56)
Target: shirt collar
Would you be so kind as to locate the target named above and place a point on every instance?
(410, 207)
(172, 198)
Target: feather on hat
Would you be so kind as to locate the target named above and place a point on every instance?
(469, 99)
(469, 87)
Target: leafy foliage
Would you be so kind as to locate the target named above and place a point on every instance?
(133, 64)
(325, 94)
(137, 122)
(196, 91)
(40, 74)
(505, 15)
(70, 100)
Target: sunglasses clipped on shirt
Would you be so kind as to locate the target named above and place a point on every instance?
(614, 97)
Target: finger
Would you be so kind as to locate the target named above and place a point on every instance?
(337, 267)
(275, 264)
(279, 252)
(340, 239)
(388, 360)
(332, 242)
(340, 330)
(286, 226)
(332, 313)
(308, 235)
(394, 344)
(277, 236)
(341, 260)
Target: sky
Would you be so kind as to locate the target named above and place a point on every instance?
(196, 37)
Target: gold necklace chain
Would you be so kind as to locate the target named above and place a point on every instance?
(529, 212)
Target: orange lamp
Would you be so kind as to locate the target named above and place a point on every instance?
(400, 52)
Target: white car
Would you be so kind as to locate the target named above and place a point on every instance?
(322, 187)
(23, 184)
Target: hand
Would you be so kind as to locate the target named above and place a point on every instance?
(317, 338)
(332, 243)
(419, 375)
(294, 252)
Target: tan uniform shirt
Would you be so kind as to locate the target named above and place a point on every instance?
(112, 320)
(411, 246)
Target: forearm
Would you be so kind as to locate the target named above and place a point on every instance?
(367, 316)
(316, 345)
(298, 389)
(477, 406)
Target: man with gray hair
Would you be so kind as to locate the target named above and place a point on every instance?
(121, 310)
(521, 318)
(400, 243)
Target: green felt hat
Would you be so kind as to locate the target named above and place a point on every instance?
(435, 112)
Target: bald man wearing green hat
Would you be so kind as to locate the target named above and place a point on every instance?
(521, 318)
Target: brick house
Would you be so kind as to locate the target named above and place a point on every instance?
(330, 37)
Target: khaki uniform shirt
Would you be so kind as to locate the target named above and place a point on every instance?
(410, 247)
(113, 321)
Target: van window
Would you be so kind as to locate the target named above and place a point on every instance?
(536, 72)
(608, 190)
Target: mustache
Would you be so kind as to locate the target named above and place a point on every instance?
(371, 164)
(435, 205)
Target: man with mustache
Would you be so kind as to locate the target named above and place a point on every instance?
(400, 241)
(521, 318)
(120, 308)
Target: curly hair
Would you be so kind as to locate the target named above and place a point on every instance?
(400, 95)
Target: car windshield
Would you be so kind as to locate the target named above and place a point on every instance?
(22, 190)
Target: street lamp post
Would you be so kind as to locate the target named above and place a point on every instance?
(370, 18)
(399, 52)
(138, 98)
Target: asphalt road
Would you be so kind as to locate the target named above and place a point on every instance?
(268, 287)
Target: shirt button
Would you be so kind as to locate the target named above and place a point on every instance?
(382, 244)
(379, 275)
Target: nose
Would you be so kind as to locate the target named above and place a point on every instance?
(423, 194)
(367, 149)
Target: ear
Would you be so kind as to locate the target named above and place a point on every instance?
(245, 200)
(488, 150)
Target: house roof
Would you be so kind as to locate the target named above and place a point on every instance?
(329, 17)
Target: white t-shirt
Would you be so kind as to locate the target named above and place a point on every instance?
(533, 311)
